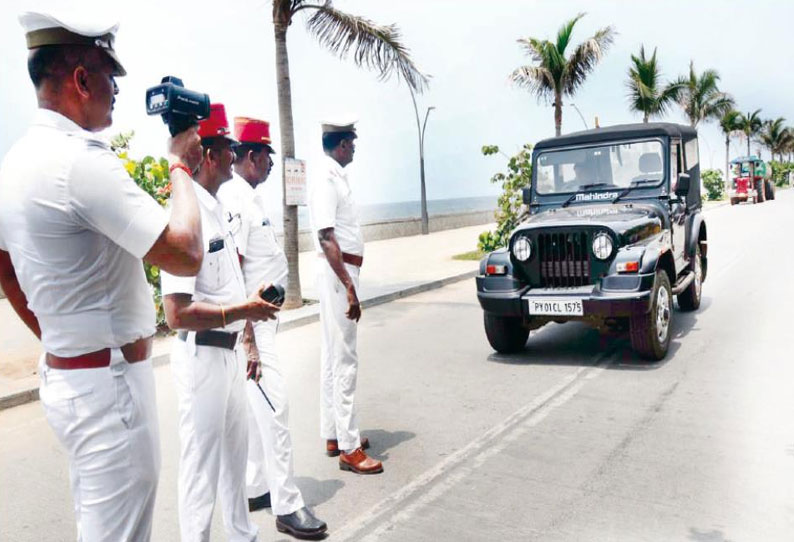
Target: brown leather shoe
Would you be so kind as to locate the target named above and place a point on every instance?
(332, 446)
(359, 462)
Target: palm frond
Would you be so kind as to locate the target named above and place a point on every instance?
(585, 57)
(373, 46)
(536, 79)
(565, 32)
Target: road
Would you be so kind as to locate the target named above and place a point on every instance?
(574, 439)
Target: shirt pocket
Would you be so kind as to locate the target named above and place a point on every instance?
(218, 265)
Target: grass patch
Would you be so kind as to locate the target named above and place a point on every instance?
(474, 255)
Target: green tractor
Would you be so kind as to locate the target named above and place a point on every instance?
(751, 180)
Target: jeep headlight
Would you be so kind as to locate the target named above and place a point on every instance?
(602, 246)
(522, 249)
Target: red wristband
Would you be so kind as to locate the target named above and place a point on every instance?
(183, 167)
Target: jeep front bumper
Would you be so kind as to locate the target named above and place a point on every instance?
(616, 296)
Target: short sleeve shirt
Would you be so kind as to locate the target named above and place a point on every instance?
(264, 261)
(76, 227)
(331, 205)
(219, 280)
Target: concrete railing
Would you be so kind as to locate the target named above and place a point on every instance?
(403, 227)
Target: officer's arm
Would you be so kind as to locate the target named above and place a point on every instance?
(15, 295)
(179, 249)
(181, 312)
(333, 254)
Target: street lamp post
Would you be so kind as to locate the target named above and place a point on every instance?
(580, 115)
(421, 129)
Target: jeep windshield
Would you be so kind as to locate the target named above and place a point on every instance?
(604, 167)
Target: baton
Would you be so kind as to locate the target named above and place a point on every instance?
(265, 396)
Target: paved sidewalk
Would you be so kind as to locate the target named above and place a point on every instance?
(392, 268)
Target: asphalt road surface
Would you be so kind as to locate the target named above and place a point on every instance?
(574, 439)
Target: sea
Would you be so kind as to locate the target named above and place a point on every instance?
(380, 212)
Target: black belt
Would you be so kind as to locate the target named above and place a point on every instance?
(210, 337)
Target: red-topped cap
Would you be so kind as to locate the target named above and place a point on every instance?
(216, 125)
(248, 130)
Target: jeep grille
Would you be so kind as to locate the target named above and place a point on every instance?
(564, 259)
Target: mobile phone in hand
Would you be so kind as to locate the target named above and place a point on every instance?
(274, 294)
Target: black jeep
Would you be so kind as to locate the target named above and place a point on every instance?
(614, 230)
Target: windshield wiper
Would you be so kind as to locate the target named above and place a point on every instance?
(579, 191)
(632, 186)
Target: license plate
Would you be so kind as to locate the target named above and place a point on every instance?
(555, 306)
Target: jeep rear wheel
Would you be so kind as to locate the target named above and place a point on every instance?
(650, 332)
(506, 334)
(689, 299)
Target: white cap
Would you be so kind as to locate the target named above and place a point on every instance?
(341, 124)
(90, 29)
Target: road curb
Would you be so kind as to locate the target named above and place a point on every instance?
(32, 394)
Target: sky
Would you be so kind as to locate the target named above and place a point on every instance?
(469, 47)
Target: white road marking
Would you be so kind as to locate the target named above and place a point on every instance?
(462, 463)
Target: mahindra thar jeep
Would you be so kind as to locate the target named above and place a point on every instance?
(614, 230)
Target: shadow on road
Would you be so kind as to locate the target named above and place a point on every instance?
(707, 536)
(316, 491)
(381, 441)
(577, 344)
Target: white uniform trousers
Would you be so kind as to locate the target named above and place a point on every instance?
(270, 465)
(338, 359)
(213, 434)
(106, 418)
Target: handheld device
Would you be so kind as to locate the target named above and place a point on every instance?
(179, 107)
(274, 294)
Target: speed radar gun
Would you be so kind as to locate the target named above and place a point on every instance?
(179, 107)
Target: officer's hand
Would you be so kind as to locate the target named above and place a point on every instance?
(186, 147)
(259, 309)
(353, 306)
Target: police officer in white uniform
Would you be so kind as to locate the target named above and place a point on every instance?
(209, 368)
(269, 476)
(338, 241)
(73, 230)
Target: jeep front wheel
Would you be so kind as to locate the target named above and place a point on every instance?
(650, 332)
(506, 334)
(689, 299)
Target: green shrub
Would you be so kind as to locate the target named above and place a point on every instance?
(713, 183)
(780, 172)
(152, 175)
(510, 210)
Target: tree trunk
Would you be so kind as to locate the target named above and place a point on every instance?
(645, 117)
(293, 297)
(557, 113)
(727, 159)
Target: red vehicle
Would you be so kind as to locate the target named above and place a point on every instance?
(745, 186)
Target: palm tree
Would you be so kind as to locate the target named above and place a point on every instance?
(373, 46)
(646, 95)
(554, 75)
(750, 124)
(776, 137)
(730, 125)
(701, 98)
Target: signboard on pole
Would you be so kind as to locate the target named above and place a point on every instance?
(295, 181)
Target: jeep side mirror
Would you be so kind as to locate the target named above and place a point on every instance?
(525, 195)
(682, 187)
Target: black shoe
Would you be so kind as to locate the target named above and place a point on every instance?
(260, 502)
(301, 524)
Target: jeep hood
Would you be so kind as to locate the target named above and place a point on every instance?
(630, 221)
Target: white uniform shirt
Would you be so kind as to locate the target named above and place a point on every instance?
(220, 280)
(331, 205)
(76, 226)
(263, 258)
